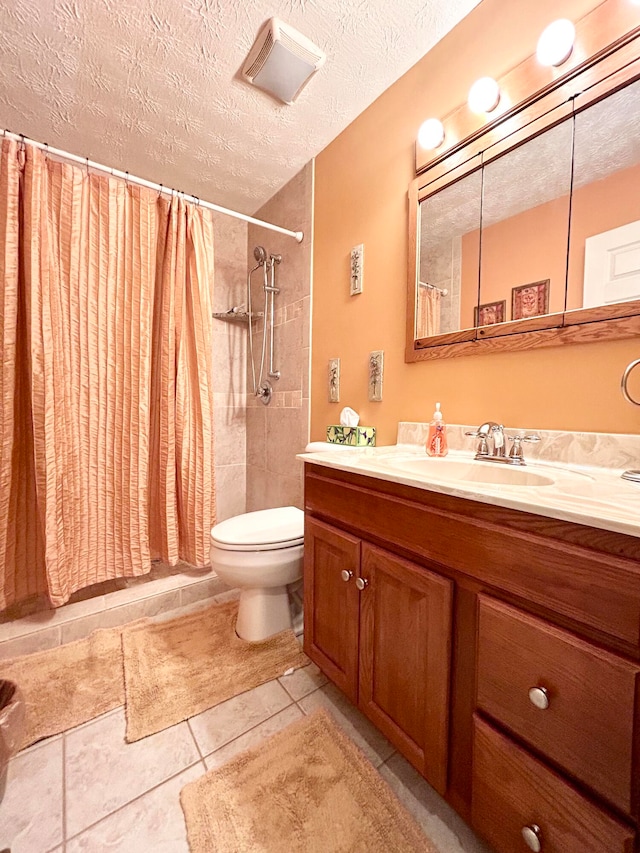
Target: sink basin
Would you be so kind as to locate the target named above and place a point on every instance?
(468, 471)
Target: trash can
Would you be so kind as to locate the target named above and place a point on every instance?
(11, 727)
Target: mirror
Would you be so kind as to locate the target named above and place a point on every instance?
(527, 233)
(604, 251)
(449, 220)
(524, 234)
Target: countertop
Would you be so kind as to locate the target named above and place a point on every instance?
(583, 494)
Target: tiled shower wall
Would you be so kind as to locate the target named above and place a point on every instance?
(229, 367)
(275, 433)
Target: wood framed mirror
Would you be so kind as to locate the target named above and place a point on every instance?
(527, 233)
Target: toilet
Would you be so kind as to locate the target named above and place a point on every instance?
(260, 553)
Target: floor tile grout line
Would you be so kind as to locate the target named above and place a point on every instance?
(64, 789)
(195, 740)
(135, 799)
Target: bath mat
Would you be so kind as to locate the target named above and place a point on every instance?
(176, 669)
(68, 685)
(306, 788)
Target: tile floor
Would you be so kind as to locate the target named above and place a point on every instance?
(87, 790)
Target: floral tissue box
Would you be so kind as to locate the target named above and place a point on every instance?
(353, 436)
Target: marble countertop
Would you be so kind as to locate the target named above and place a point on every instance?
(583, 494)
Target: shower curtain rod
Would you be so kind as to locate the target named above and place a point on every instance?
(117, 173)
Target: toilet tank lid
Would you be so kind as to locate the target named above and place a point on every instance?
(264, 527)
(318, 446)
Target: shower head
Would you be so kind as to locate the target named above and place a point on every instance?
(260, 255)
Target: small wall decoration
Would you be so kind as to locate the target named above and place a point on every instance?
(334, 380)
(530, 300)
(357, 269)
(490, 313)
(376, 370)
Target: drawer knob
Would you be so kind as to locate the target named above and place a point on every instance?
(361, 583)
(539, 697)
(346, 575)
(532, 837)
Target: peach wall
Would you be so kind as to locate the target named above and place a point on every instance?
(361, 197)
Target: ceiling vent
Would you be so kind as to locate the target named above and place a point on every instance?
(282, 61)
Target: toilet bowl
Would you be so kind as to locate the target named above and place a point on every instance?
(260, 553)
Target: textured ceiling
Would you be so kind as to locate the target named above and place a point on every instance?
(150, 86)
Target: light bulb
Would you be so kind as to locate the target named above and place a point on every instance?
(556, 43)
(431, 134)
(484, 95)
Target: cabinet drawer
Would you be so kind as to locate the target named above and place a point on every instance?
(512, 791)
(588, 725)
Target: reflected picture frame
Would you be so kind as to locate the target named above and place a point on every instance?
(490, 313)
(530, 300)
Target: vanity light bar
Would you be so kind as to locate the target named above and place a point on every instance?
(554, 47)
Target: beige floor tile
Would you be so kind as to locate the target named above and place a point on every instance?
(303, 681)
(31, 811)
(153, 822)
(104, 773)
(227, 721)
(446, 829)
(253, 737)
(374, 744)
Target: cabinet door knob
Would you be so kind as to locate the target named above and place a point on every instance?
(346, 575)
(539, 697)
(361, 583)
(532, 837)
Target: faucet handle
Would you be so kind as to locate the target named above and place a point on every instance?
(483, 447)
(516, 451)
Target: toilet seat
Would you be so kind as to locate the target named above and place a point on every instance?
(264, 530)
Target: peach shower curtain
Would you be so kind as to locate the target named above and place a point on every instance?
(106, 378)
(428, 321)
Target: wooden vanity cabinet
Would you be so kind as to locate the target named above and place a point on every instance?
(466, 608)
(386, 644)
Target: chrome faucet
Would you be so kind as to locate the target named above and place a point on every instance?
(489, 430)
(493, 432)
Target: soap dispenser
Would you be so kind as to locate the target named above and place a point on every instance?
(437, 440)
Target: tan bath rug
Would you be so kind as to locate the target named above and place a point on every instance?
(176, 669)
(306, 788)
(69, 684)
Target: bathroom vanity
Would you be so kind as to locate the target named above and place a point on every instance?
(498, 649)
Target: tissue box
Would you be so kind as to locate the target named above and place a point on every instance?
(353, 436)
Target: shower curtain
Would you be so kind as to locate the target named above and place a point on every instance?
(428, 322)
(106, 458)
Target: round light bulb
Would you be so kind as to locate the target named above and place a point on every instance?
(556, 43)
(431, 134)
(484, 95)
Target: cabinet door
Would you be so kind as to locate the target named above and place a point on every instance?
(331, 603)
(405, 649)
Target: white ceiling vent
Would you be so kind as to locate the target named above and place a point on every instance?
(282, 61)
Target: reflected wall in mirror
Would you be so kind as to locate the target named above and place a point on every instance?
(525, 231)
(448, 220)
(604, 252)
